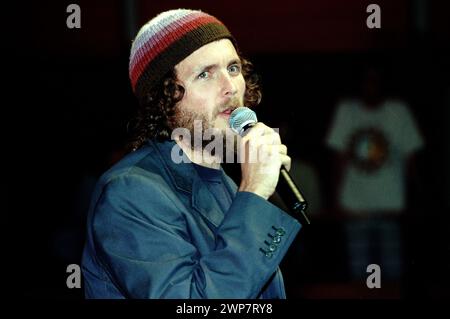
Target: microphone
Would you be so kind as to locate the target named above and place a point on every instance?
(242, 119)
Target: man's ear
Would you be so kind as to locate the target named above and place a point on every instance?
(179, 91)
(179, 87)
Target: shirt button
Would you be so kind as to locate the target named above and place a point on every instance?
(276, 239)
(269, 254)
(280, 231)
(273, 247)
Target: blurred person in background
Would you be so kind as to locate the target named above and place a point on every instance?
(375, 139)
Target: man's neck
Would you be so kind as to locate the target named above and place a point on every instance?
(198, 156)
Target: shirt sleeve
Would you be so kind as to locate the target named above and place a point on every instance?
(409, 138)
(338, 132)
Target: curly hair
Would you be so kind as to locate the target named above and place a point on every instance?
(157, 107)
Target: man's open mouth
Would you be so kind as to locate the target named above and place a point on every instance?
(227, 111)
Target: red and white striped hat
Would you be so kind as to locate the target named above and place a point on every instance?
(166, 40)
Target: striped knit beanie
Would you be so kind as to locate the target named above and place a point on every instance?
(168, 39)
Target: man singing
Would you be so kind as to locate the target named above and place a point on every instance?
(161, 228)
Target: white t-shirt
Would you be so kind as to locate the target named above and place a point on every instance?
(379, 141)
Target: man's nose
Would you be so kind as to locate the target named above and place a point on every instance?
(229, 87)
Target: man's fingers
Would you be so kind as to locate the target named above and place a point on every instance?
(282, 149)
(259, 129)
(262, 136)
(286, 162)
(273, 153)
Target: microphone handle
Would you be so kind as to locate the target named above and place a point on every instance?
(291, 195)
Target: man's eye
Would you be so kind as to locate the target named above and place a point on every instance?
(235, 68)
(203, 75)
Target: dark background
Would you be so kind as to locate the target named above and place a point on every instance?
(71, 100)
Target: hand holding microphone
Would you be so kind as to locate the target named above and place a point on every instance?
(270, 169)
(264, 155)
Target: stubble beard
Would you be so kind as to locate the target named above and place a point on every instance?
(196, 122)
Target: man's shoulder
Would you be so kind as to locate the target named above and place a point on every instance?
(396, 106)
(142, 162)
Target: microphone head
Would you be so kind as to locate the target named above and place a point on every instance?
(240, 118)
